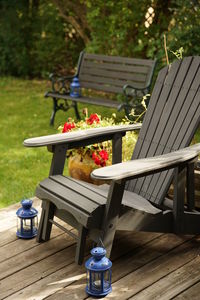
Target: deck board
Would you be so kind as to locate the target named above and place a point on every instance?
(145, 265)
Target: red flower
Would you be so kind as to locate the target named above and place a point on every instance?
(68, 126)
(97, 161)
(104, 154)
(100, 157)
(93, 118)
(103, 163)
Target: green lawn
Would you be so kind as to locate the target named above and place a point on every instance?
(24, 113)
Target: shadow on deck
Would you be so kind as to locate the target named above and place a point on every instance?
(145, 265)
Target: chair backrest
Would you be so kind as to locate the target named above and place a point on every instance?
(171, 120)
(110, 73)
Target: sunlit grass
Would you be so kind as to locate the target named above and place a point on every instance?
(24, 113)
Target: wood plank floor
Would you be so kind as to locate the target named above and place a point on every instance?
(145, 265)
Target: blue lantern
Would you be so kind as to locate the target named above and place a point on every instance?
(75, 90)
(98, 273)
(27, 221)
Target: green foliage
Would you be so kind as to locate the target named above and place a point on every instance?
(132, 28)
(183, 29)
(14, 24)
(40, 36)
(178, 53)
(34, 40)
(116, 26)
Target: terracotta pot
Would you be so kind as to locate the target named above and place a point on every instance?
(81, 168)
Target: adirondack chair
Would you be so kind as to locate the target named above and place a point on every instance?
(136, 196)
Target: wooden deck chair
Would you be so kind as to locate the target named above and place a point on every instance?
(136, 198)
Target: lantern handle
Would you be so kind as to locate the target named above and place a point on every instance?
(101, 242)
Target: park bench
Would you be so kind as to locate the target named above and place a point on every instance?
(112, 75)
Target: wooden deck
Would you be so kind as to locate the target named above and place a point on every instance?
(145, 265)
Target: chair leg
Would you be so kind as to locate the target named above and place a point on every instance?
(40, 227)
(108, 239)
(112, 210)
(45, 226)
(80, 245)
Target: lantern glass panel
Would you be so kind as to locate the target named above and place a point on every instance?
(96, 281)
(19, 224)
(107, 279)
(35, 222)
(26, 224)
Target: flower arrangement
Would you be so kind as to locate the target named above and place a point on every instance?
(101, 153)
(98, 155)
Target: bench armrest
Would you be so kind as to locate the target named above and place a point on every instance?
(146, 166)
(59, 83)
(80, 135)
(130, 90)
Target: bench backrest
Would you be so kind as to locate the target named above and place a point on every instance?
(111, 73)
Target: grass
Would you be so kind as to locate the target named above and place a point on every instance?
(25, 113)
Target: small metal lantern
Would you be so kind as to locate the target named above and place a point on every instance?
(27, 220)
(98, 273)
(75, 89)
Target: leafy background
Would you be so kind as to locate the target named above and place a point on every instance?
(40, 36)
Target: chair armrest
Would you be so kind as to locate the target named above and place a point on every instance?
(146, 166)
(80, 135)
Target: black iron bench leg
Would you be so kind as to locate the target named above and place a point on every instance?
(55, 108)
(75, 105)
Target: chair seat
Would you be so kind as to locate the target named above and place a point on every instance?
(86, 201)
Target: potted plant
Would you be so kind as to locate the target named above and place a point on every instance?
(82, 161)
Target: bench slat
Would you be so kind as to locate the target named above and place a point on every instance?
(136, 61)
(127, 68)
(111, 74)
(102, 87)
(88, 100)
(137, 79)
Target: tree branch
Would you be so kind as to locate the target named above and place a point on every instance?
(74, 13)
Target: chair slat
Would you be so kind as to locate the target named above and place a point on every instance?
(169, 124)
(69, 196)
(168, 121)
(80, 189)
(185, 113)
(161, 90)
(192, 127)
